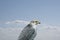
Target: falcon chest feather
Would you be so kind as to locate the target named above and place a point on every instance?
(34, 26)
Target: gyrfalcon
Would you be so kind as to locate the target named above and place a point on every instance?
(29, 32)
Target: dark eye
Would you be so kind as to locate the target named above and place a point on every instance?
(36, 21)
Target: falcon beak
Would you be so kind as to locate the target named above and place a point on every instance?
(39, 23)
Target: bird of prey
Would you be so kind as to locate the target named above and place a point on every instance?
(29, 32)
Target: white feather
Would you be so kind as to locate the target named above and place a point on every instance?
(34, 26)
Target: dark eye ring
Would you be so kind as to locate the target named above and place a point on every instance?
(35, 21)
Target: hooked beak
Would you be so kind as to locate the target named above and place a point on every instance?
(39, 23)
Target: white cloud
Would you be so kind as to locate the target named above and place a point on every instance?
(48, 32)
(17, 21)
(42, 33)
(8, 22)
(9, 33)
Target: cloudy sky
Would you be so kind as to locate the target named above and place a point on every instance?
(16, 14)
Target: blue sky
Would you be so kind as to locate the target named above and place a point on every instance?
(47, 11)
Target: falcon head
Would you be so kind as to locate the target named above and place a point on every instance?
(35, 22)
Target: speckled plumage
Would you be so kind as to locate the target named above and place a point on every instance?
(29, 32)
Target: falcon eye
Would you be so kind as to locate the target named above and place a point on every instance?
(36, 21)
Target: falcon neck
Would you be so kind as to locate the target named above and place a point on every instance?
(33, 25)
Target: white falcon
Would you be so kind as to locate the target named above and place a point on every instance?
(29, 32)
